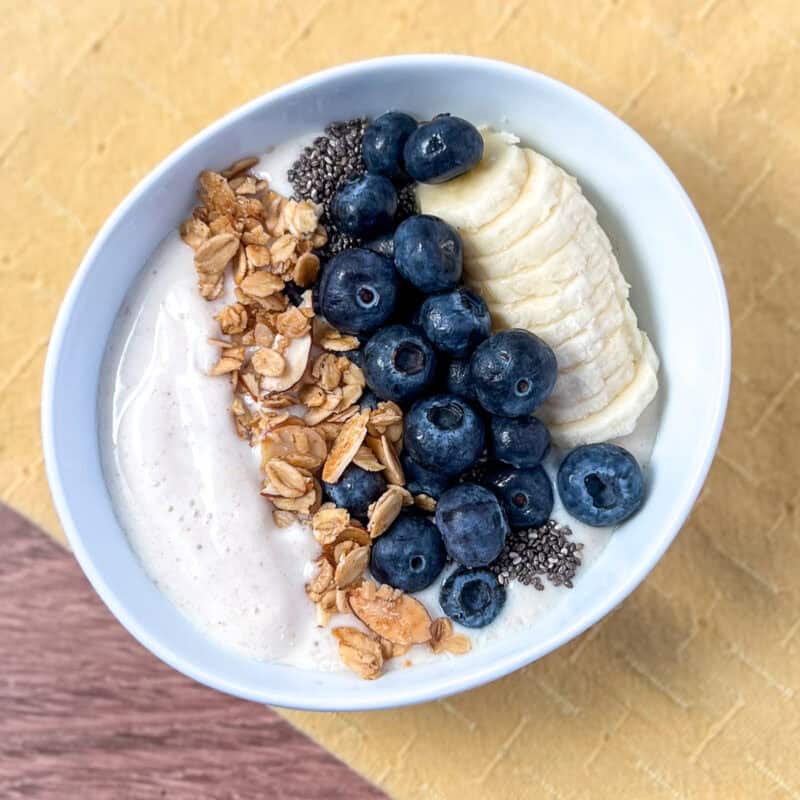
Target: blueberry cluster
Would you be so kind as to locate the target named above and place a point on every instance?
(470, 440)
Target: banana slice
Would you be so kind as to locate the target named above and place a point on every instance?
(538, 199)
(620, 416)
(478, 196)
(534, 250)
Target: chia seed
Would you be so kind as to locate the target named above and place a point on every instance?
(328, 162)
(535, 552)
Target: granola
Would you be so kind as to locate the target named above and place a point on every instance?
(295, 396)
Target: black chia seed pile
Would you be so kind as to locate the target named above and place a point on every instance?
(329, 161)
(530, 553)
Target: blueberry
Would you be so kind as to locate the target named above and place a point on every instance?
(399, 363)
(472, 523)
(369, 400)
(428, 253)
(383, 143)
(455, 322)
(442, 149)
(409, 555)
(519, 441)
(458, 380)
(421, 480)
(358, 291)
(444, 433)
(600, 484)
(472, 597)
(356, 490)
(364, 206)
(356, 356)
(525, 494)
(514, 372)
(383, 245)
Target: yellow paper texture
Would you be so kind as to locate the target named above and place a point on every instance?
(690, 689)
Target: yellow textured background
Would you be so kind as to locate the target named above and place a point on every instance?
(690, 689)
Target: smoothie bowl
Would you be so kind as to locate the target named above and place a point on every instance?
(349, 409)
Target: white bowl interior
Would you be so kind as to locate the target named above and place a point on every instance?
(664, 252)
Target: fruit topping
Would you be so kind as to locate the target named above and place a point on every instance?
(399, 363)
(525, 494)
(442, 149)
(428, 253)
(364, 206)
(455, 322)
(514, 372)
(472, 597)
(356, 490)
(444, 433)
(410, 555)
(519, 441)
(358, 291)
(383, 143)
(421, 480)
(472, 523)
(600, 484)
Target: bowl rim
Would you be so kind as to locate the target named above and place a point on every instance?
(413, 693)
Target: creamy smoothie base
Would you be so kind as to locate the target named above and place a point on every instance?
(186, 488)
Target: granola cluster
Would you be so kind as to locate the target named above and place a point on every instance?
(296, 397)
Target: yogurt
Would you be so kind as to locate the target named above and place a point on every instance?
(186, 489)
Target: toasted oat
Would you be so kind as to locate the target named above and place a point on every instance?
(268, 362)
(322, 580)
(350, 567)
(306, 270)
(365, 459)
(292, 323)
(345, 447)
(210, 261)
(329, 523)
(319, 414)
(194, 232)
(392, 649)
(425, 502)
(232, 319)
(263, 335)
(283, 519)
(262, 284)
(443, 640)
(225, 365)
(391, 614)
(286, 480)
(242, 165)
(383, 417)
(359, 652)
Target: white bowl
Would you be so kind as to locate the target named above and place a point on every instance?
(663, 249)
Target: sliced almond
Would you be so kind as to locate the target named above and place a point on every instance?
(242, 165)
(345, 447)
(391, 614)
(329, 523)
(298, 445)
(351, 567)
(392, 470)
(384, 511)
(359, 652)
(296, 358)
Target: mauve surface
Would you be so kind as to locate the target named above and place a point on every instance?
(87, 712)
